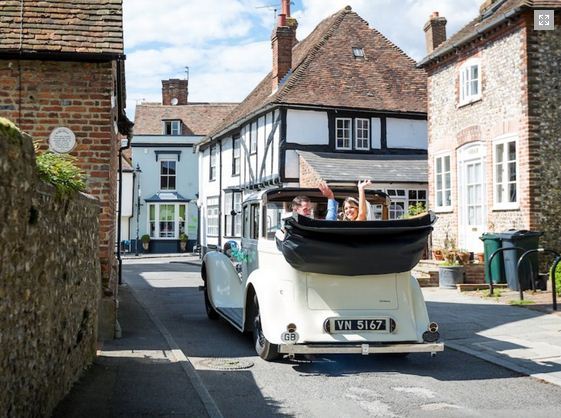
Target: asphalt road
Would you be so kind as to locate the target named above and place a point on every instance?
(237, 383)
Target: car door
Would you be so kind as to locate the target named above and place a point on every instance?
(250, 236)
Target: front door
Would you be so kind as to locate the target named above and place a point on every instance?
(471, 193)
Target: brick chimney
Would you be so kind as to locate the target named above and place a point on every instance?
(282, 41)
(435, 31)
(175, 88)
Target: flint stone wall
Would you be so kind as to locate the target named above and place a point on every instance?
(50, 280)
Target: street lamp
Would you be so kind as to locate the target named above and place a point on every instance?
(137, 172)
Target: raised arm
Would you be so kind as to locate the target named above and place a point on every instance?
(332, 204)
(362, 204)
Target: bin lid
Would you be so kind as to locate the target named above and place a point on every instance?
(489, 236)
(514, 234)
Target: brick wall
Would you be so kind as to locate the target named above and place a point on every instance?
(80, 97)
(544, 77)
(502, 110)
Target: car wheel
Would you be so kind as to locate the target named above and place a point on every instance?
(264, 348)
(210, 311)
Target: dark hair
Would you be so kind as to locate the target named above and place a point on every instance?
(298, 200)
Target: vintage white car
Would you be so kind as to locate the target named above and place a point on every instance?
(311, 286)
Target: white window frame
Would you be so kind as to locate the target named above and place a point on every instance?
(174, 127)
(212, 163)
(363, 130)
(232, 224)
(155, 233)
(168, 160)
(212, 216)
(349, 130)
(505, 140)
(467, 81)
(236, 155)
(443, 189)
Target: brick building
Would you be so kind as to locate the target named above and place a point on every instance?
(494, 123)
(61, 65)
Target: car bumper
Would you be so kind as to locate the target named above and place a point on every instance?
(364, 349)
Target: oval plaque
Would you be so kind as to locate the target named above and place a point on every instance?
(62, 140)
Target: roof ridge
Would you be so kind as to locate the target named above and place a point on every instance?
(314, 50)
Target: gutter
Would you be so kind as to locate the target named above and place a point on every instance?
(61, 56)
(478, 32)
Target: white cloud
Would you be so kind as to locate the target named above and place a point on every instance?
(226, 43)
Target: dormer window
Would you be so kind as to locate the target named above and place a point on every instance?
(470, 81)
(358, 52)
(172, 127)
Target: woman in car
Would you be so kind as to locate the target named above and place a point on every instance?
(353, 209)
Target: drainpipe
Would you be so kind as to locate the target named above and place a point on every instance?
(120, 207)
(220, 196)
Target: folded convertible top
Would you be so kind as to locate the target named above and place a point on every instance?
(355, 248)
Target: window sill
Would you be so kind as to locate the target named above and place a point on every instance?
(469, 101)
(503, 208)
(444, 209)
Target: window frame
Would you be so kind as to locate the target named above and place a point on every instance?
(174, 127)
(367, 129)
(236, 158)
(215, 200)
(168, 176)
(465, 69)
(505, 140)
(443, 189)
(350, 131)
(232, 223)
(212, 163)
(155, 231)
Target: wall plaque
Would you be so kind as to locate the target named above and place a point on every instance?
(62, 140)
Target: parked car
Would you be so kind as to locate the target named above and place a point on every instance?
(309, 286)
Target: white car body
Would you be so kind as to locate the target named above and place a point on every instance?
(298, 311)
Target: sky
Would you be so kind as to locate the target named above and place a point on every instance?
(226, 44)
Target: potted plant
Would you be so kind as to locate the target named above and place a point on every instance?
(463, 256)
(438, 254)
(451, 270)
(183, 242)
(145, 241)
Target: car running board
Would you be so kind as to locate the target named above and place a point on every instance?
(232, 315)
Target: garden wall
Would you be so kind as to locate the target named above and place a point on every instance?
(50, 281)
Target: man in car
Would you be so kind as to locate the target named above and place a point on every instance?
(303, 206)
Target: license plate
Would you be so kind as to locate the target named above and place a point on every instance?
(342, 325)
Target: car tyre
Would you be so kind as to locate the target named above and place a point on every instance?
(266, 350)
(210, 311)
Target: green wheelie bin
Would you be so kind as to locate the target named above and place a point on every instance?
(491, 243)
(529, 269)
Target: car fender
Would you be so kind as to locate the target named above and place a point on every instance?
(222, 281)
(419, 307)
(274, 297)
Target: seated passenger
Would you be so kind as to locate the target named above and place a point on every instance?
(356, 210)
(303, 206)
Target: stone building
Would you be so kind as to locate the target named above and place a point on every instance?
(343, 104)
(494, 118)
(62, 66)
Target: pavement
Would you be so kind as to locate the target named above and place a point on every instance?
(142, 373)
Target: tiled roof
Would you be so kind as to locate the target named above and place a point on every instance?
(325, 73)
(497, 12)
(380, 168)
(84, 26)
(197, 118)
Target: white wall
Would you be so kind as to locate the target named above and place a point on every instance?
(292, 164)
(376, 132)
(307, 127)
(406, 133)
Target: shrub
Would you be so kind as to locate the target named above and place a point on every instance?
(61, 171)
(558, 279)
(416, 209)
(145, 238)
(183, 237)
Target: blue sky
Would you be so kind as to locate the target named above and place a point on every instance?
(226, 43)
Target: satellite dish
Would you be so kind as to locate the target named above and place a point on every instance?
(174, 101)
